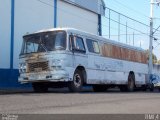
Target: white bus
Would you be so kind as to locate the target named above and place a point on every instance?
(66, 57)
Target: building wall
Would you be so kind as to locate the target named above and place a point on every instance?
(36, 15)
(69, 15)
(98, 6)
(31, 16)
(5, 16)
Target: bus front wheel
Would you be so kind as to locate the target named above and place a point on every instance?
(77, 83)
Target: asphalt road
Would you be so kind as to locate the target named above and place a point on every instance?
(87, 102)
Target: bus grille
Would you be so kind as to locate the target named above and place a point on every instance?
(38, 66)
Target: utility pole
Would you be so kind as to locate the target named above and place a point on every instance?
(151, 40)
(152, 3)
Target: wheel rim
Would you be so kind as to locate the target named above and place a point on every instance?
(77, 80)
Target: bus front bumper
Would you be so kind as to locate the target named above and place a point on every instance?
(51, 76)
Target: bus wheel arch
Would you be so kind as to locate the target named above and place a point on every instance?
(84, 74)
(79, 79)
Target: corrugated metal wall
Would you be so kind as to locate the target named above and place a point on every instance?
(71, 16)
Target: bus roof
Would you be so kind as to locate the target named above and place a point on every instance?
(90, 35)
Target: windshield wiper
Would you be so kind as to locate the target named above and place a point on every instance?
(44, 47)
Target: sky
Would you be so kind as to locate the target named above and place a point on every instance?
(138, 10)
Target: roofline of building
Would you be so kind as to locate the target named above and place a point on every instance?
(73, 3)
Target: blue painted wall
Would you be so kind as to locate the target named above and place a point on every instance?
(12, 34)
(9, 79)
(55, 13)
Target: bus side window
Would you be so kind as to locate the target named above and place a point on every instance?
(92, 46)
(76, 43)
(96, 47)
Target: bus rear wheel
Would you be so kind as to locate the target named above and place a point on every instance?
(77, 83)
(131, 83)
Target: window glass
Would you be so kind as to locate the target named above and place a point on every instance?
(43, 42)
(92, 46)
(96, 47)
(78, 43)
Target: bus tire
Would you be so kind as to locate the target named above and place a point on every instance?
(131, 83)
(99, 88)
(39, 87)
(77, 83)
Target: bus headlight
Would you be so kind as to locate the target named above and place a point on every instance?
(22, 68)
(57, 64)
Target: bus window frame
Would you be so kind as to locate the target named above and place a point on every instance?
(72, 44)
(93, 46)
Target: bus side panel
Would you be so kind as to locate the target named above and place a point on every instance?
(95, 69)
(114, 71)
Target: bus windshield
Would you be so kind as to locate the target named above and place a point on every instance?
(44, 42)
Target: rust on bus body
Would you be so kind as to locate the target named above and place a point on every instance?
(117, 52)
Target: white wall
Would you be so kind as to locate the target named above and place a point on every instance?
(5, 16)
(72, 16)
(30, 16)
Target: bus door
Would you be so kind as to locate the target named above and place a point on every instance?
(77, 46)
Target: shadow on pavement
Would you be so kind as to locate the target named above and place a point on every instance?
(86, 90)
